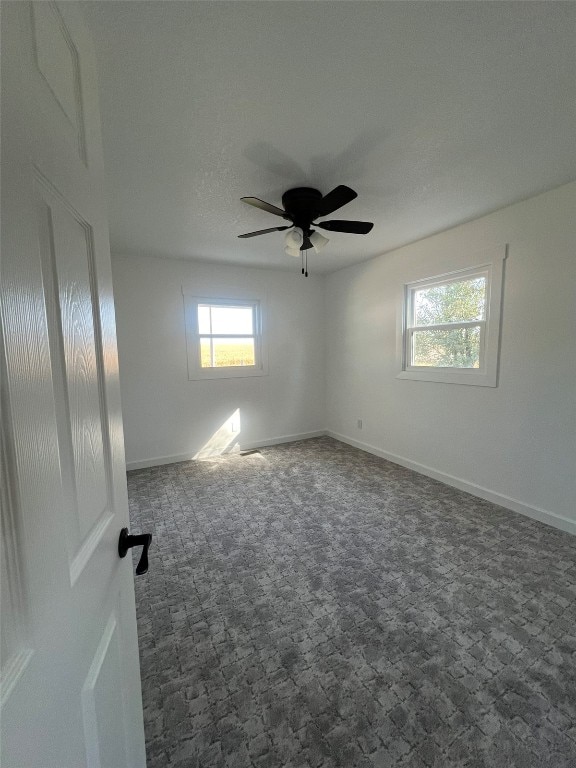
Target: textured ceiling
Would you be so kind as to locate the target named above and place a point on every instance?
(435, 112)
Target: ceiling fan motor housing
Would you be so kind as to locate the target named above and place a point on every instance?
(303, 205)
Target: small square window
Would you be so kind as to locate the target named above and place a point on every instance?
(450, 329)
(224, 338)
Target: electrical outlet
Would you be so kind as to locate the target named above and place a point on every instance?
(359, 423)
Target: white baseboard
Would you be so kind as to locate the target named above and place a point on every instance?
(282, 439)
(160, 460)
(542, 515)
(157, 461)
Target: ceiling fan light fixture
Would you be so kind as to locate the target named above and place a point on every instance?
(292, 251)
(295, 238)
(318, 241)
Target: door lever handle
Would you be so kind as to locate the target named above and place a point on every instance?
(126, 541)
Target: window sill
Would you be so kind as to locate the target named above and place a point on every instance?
(451, 376)
(226, 373)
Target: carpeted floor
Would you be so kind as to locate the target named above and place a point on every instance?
(313, 605)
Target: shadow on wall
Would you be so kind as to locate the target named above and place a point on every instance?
(224, 440)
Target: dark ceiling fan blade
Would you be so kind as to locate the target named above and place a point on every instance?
(353, 227)
(264, 206)
(336, 199)
(263, 231)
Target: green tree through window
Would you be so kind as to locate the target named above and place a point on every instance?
(447, 321)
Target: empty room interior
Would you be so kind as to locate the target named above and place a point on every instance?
(343, 260)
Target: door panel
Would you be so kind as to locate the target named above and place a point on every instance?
(66, 247)
(104, 732)
(69, 665)
(58, 62)
(71, 249)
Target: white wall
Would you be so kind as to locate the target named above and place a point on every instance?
(168, 417)
(514, 444)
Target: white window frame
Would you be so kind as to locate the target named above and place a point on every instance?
(486, 375)
(195, 370)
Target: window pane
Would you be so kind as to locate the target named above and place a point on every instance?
(450, 303)
(449, 348)
(205, 354)
(232, 320)
(227, 353)
(203, 318)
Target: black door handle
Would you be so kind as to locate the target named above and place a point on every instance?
(126, 541)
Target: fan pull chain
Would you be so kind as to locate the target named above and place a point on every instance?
(302, 256)
(306, 273)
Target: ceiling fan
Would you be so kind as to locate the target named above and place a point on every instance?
(302, 206)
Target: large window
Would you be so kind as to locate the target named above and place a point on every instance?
(446, 323)
(224, 338)
(451, 327)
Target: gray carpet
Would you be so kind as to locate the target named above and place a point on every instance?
(313, 605)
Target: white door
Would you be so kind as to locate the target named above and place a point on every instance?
(70, 674)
